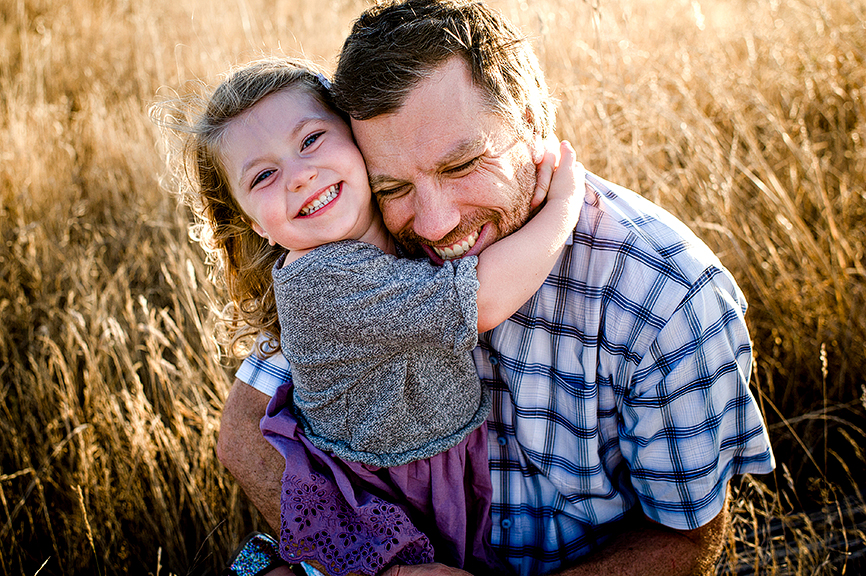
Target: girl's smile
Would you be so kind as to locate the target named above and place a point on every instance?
(321, 201)
(298, 176)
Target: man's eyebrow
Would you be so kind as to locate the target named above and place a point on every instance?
(378, 180)
(464, 148)
(457, 154)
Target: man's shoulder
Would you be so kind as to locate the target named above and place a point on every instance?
(625, 224)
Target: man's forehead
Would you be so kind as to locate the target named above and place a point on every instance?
(443, 119)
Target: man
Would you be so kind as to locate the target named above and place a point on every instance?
(621, 401)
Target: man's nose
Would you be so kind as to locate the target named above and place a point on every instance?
(436, 212)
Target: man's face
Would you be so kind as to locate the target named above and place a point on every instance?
(450, 176)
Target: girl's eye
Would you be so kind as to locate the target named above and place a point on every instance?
(260, 177)
(310, 140)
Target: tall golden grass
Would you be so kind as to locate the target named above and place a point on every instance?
(747, 118)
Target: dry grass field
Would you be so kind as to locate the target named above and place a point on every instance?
(746, 118)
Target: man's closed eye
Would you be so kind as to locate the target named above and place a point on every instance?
(463, 168)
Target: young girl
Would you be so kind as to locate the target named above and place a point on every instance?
(383, 427)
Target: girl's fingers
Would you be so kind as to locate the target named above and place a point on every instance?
(544, 172)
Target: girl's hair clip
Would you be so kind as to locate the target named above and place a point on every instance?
(323, 81)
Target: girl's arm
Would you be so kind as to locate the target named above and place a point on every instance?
(514, 268)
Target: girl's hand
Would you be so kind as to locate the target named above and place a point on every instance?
(544, 170)
(568, 180)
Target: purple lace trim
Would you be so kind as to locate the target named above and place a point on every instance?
(318, 524)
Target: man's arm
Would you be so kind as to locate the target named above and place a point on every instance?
(241, 447)
(648, 549)
(652, 549)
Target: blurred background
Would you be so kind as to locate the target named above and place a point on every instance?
(745, 118)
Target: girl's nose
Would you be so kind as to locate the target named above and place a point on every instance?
(302, 173)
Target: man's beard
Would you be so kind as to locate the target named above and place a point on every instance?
(505, 222)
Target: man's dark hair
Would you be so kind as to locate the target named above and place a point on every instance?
(395, 45)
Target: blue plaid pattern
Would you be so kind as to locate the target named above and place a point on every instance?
(265, 375)
(623, 380)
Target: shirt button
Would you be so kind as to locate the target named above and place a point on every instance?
(502, 440)
(494, 360)
(506, 523)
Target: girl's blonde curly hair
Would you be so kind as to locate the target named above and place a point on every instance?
(195, 129)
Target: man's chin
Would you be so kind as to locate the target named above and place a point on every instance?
(413, 251)
(432, 255)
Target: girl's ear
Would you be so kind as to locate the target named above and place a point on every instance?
(261, 232)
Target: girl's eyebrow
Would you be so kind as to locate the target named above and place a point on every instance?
(299, 127)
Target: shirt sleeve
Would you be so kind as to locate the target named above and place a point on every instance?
(265, 374)
(690, 422)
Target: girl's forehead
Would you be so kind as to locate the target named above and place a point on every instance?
(276, 111)
(288, 103)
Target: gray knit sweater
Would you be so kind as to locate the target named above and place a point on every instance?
(380, 351)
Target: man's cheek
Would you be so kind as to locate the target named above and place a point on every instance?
(392, 214)
(398, 221)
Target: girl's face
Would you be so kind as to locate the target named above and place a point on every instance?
(295, 171)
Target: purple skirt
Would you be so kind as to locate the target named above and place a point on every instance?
(353, 517)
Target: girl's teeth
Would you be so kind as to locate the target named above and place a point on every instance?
(321, 201)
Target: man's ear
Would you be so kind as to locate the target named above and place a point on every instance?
(536, 148)
(535, 141)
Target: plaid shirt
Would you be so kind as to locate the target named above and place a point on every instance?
(623, 380)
